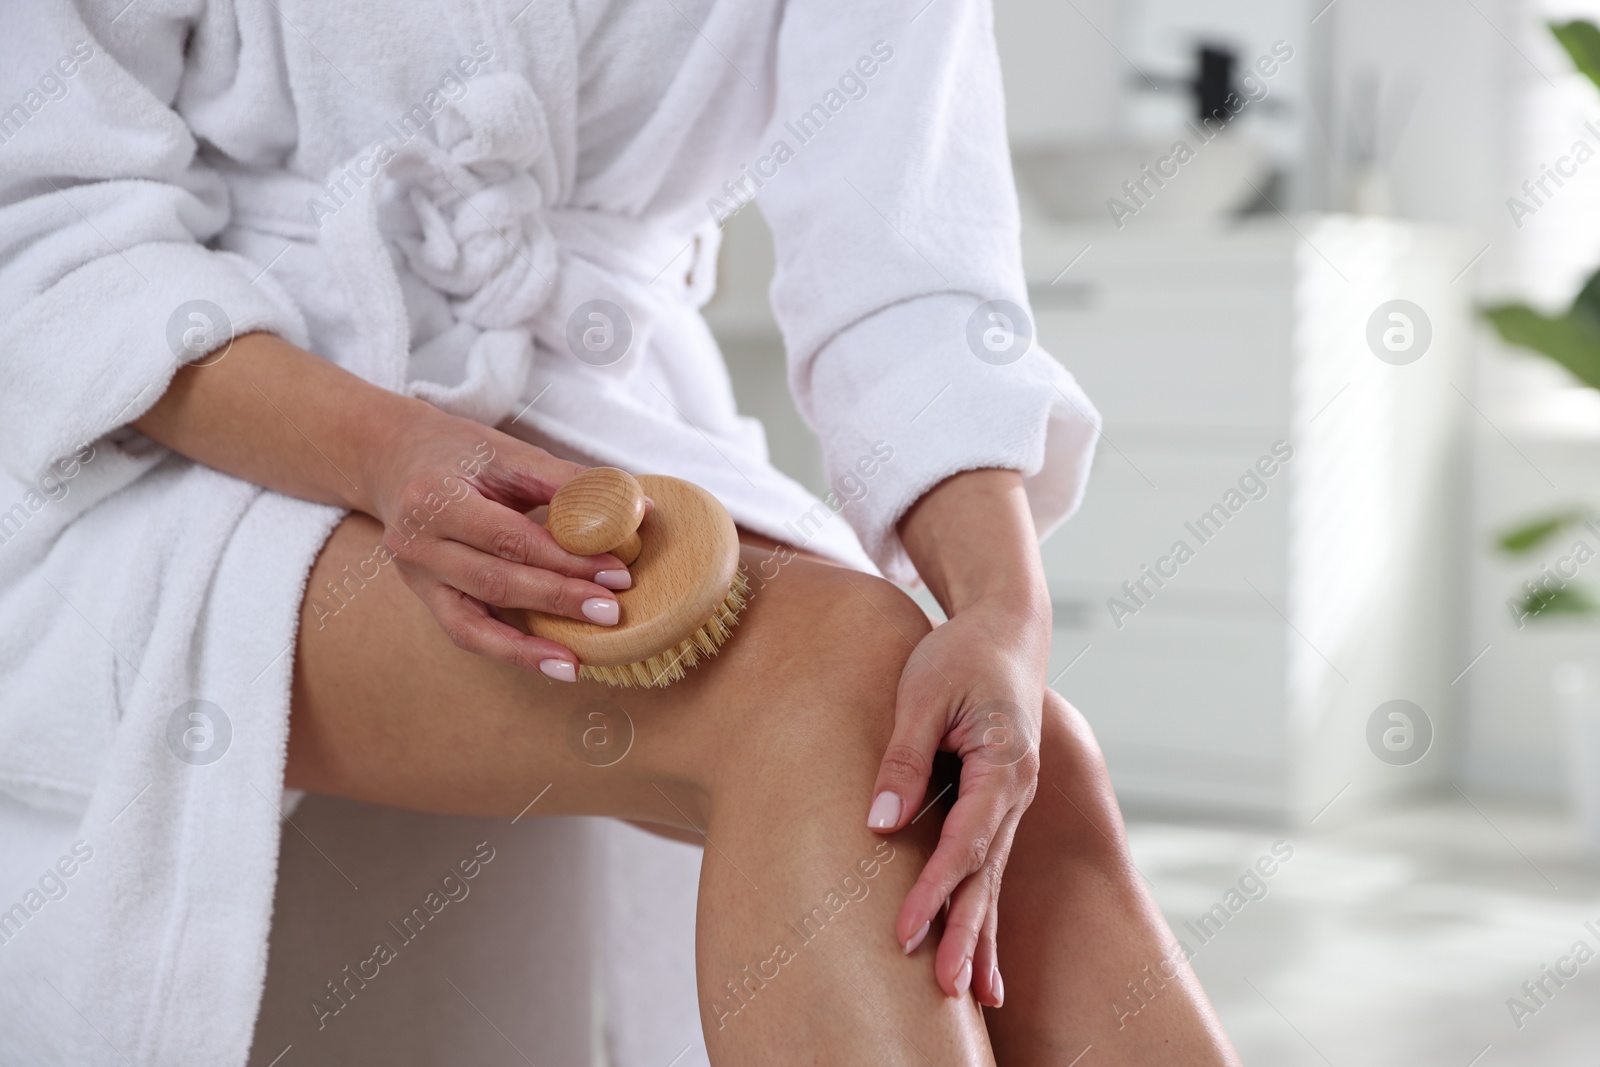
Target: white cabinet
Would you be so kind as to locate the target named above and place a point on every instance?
(1239, 671)
(1245, 680)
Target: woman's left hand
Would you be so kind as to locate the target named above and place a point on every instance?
(973, 686)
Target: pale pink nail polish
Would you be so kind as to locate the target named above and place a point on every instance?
(559, 669)
(885, 811)
(964, 978)
(601, 610)
(916, 939)
(997, 987)
(614, 579)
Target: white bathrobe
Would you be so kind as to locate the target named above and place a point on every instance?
(511, 209)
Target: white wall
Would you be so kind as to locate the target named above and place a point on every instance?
(1470, 99)
(1061, 76)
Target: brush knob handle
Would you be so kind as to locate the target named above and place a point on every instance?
(682, 578)
(598, 511)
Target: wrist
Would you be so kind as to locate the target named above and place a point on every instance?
(1013, 591)
(972, 540)
(1017, 596)
(390, 425)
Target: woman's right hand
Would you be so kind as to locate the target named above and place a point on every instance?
(451, 494)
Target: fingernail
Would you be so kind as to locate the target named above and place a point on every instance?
(885, 811)
(614, 579)
(559, 669)
(601, 609)
(964, 978)
(916, 939)
(997, 987)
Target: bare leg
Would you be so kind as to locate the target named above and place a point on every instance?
(771, 751)
(1077, 927)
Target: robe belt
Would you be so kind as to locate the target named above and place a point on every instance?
(475, 214)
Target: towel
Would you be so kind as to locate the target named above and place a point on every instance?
(510, 210)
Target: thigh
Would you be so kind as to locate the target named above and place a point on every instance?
(387, 710)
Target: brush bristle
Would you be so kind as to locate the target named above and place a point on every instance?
(670, 666)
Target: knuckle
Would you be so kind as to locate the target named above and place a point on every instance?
(508, 542)
(490, 583)
(903, 763)
(414, 497)
(1029, 791)
(990, 874)
(1023, 785)
(570, 595)
(977, 850)
(458, 632)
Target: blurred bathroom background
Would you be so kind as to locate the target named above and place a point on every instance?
(1345, 664)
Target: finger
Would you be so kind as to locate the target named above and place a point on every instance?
(987, 986)
(973, 824)
(953, 961)
(511, 535)
(907, 761)
(470, 627)
(493, 580)
(520, 475)
(963, 960)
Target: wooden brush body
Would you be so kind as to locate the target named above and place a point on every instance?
(687, 586)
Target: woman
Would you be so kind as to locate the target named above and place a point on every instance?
(317, 302)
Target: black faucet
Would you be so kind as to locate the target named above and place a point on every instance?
(1211, 84)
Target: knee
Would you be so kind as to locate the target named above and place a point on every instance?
(1074, 782)
(1067, 744)
(831, 618)
(828, 646)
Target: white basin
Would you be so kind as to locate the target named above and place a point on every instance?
(1073, 182)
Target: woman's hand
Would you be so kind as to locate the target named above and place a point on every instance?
(974, 686)
(451, 494)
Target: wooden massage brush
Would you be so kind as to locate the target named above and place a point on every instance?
(688, 586)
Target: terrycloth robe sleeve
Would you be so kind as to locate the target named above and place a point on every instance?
(894, 217)
(107, 200)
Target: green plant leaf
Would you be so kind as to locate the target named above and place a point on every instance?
(1529, 536)
(1582, 41)
(1571, 340)
(1568, 601)
(1586, 305)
